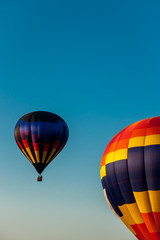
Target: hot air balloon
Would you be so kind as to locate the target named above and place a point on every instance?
(130, 175)
(41, 136)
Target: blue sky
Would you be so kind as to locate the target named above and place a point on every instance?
(94, 63)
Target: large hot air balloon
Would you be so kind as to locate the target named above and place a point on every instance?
(41, 136)
(130, 175)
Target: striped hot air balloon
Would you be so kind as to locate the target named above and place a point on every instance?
(130, 175)
(41, 136)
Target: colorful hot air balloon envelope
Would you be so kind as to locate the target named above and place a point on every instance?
(130, 175)
(41, 136)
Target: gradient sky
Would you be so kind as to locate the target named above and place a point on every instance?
(94, 63)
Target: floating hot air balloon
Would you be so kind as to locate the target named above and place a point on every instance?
(41, 136)
(130, 175)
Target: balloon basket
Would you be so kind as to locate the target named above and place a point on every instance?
(39, 178)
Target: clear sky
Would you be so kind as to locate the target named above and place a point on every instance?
(94, 63)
